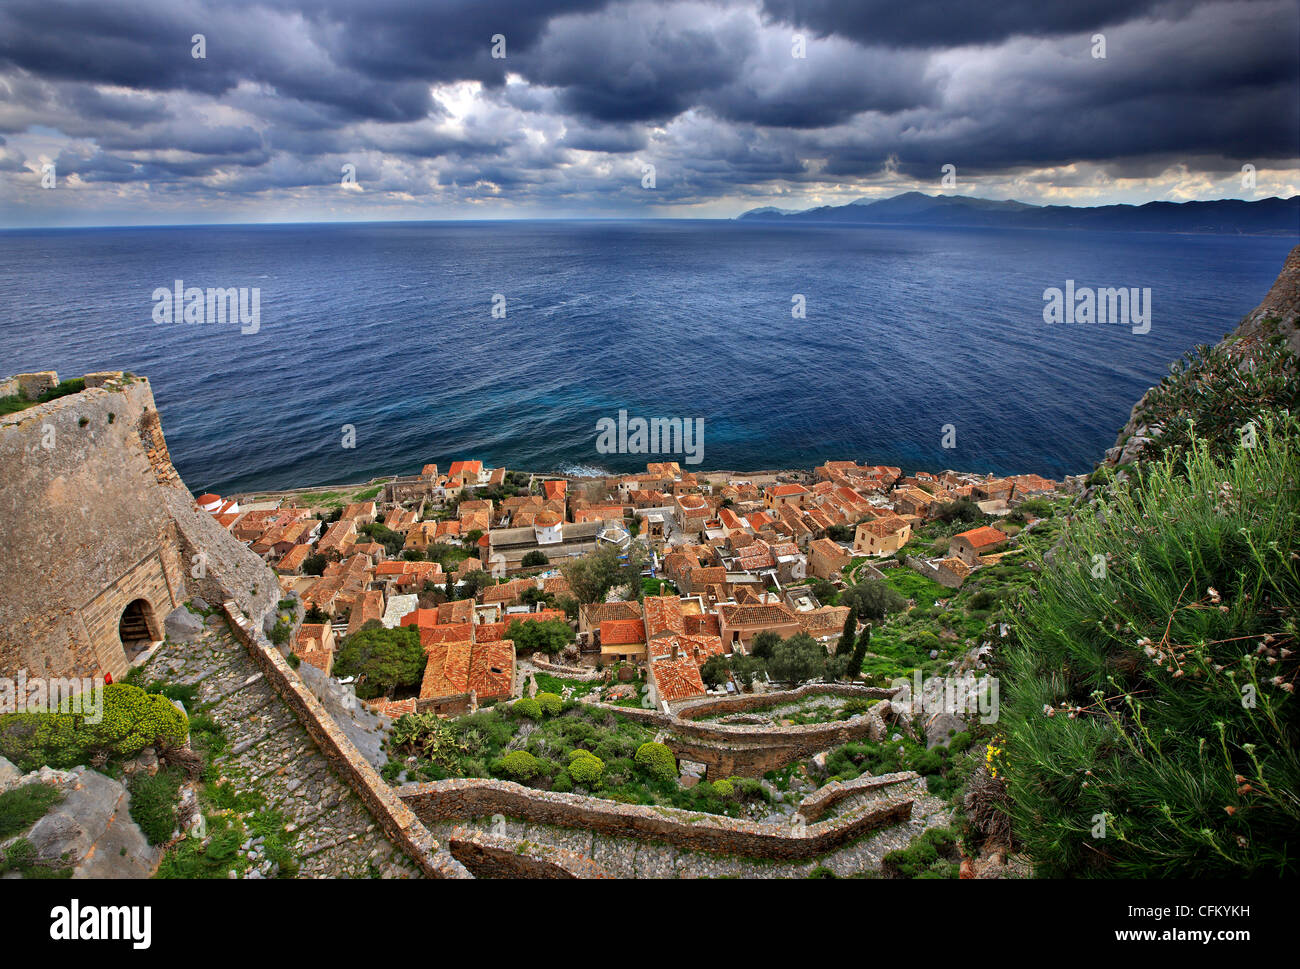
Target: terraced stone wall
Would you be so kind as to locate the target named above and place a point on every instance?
(465, 798)
(729, 750)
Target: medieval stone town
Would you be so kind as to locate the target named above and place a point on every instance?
(724, 557)
(484, 672)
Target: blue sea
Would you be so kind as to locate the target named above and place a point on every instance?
(389, 328)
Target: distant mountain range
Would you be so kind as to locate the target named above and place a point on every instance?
(1271, 216)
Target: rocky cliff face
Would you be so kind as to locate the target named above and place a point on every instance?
(1277, 315)
(1281, 305)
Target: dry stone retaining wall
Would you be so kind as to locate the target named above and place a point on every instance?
(568, 672)
(747, 751)
(477, 797)
(488, 856)
(715, 706)
(821, 800)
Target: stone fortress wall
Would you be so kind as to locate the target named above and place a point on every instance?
(93, 518)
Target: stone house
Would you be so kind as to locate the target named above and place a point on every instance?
(786, 494)
(826, 559)
(740, 623)
(970, 545)
(881, 536)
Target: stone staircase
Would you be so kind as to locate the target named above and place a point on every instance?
(333, 835)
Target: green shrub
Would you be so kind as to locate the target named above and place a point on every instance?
(1153, 693)
(658, 760)
(550, 703)
(1209, 395)
(429, 737)
(210, 857)
(518, 765)
(932, 855)
(723, 788)
(134, 720)
(563, 783)
(586, 769)
(131, 720)
(527, 707)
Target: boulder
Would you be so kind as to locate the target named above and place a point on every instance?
(876, 721)
(183, 626)
(9, 775)
(940, 726)
(59, 838)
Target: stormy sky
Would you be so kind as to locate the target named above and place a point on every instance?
(590, 93)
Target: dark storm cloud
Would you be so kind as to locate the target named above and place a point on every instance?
(146, 45)
(615, 139)
(635, 64)
(949, 23)
(710, 90)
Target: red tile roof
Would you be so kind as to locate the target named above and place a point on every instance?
(983, 537)
(663, 614)
(457, 632)
(622, 632)
(459, 667)
(676, 679)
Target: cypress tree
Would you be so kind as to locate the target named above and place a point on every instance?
(859, 653)
(845, 645)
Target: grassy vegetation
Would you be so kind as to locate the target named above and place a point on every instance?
(154, 798)
(18, 402)
(815, 710)
(20, 857)
(913, 585)
(1151, 724)
(650, 586)
(945, 768)
(554, 684)
(22, 807)
(230, 818)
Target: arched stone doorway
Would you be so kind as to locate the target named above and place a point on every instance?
(138, 627)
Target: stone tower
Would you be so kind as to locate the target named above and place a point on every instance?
(99, 538)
